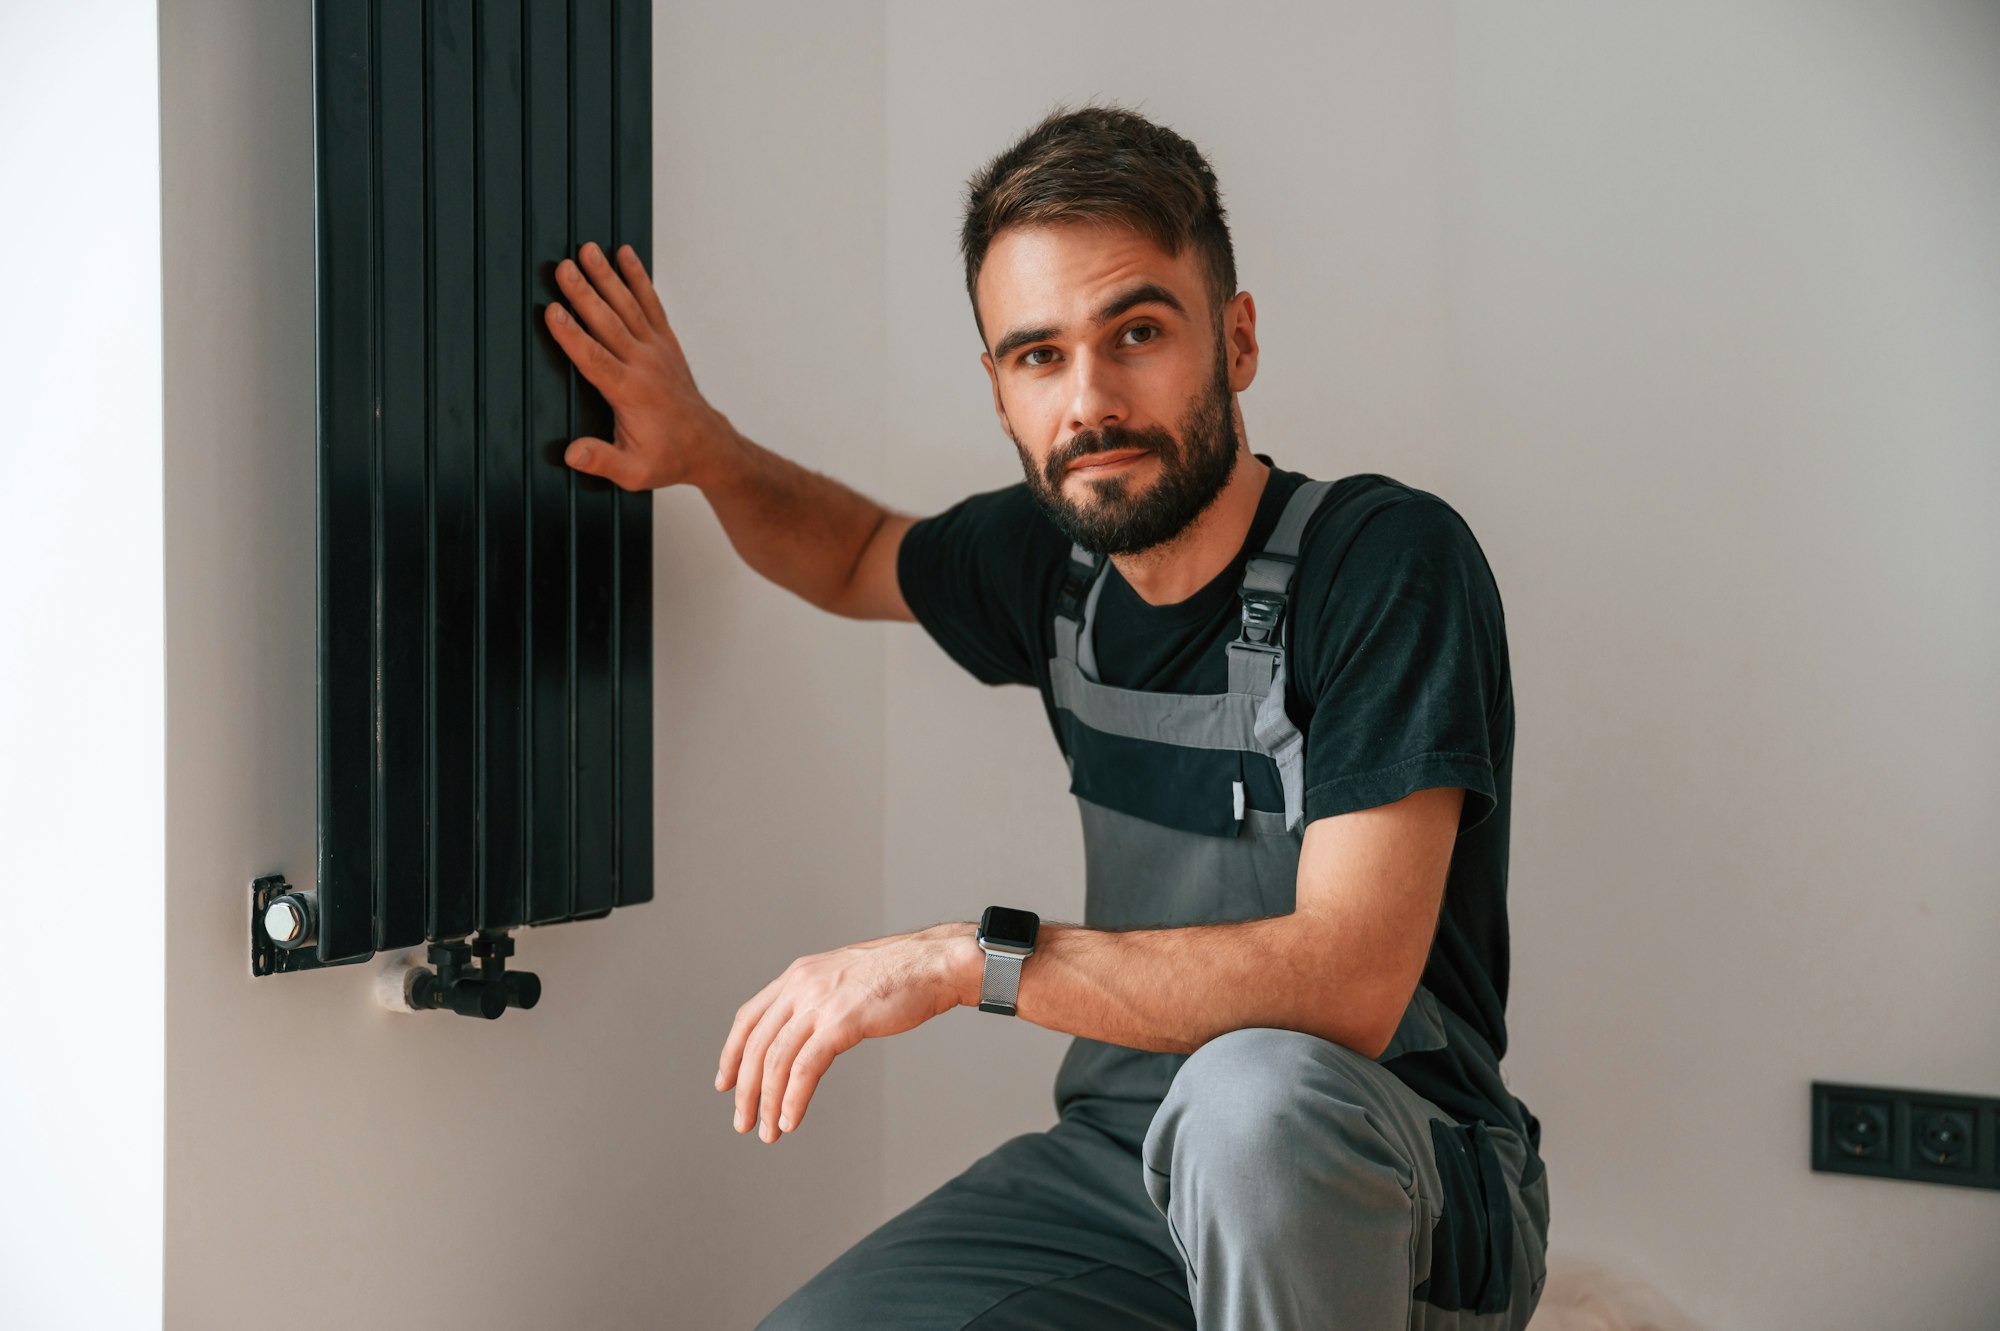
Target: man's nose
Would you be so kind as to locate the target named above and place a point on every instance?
(1097, 395)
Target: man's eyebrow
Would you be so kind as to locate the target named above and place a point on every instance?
(1145, 293)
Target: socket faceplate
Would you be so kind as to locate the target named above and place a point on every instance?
(1921, 1136)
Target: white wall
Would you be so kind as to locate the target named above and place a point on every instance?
(82, 713)
(1726, 317)
(1693, 311)
(572, 1165)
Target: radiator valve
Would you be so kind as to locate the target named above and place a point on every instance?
(485, 991)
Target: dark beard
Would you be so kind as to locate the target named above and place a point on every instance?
(1193, 470)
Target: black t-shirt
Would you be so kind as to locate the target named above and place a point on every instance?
(1398, 675)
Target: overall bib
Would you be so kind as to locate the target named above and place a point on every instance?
(1269, 1179)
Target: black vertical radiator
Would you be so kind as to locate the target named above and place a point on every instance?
(484, 620)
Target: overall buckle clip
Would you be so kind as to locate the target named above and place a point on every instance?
(1263, 618)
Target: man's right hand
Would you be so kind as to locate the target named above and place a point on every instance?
(804, 531)
(666, 433)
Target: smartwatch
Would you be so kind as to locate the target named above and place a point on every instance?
(1007, 937)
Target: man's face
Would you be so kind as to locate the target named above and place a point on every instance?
(1112, 379)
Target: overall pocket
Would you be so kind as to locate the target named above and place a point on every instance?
(1472, 1243)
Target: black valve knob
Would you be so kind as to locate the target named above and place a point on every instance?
(524, 988)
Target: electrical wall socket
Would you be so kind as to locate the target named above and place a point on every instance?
(1924, 1136)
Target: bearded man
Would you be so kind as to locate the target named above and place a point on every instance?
(1286, 708)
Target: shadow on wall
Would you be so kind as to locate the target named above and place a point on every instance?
(1583, 1295)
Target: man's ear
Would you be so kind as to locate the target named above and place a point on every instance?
(1239, 334)
(993, 378)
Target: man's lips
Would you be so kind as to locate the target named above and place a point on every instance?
(1093, 461)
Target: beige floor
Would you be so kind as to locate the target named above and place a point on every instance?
(1587, 1296)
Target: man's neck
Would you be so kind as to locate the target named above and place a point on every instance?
(1170, 573)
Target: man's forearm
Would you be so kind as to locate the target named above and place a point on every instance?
(802, 530)
(1173, 990)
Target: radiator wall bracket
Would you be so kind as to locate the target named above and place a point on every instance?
(284, 929)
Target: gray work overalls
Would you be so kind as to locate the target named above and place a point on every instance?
(1270, 1179)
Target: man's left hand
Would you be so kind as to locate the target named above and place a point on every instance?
(785, 1038)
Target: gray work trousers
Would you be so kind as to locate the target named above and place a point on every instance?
(1285, 1182)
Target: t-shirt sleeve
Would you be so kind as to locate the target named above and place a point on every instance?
(974, 575)
(1410, 651)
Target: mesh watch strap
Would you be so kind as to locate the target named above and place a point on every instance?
(1001, 984)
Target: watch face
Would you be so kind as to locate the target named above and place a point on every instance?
(1009, 927)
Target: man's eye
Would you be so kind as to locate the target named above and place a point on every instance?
(1151, 331)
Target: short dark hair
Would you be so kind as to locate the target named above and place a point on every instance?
(1102, 163)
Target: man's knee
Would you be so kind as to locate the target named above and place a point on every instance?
(1243, 1085)
(1257, 1114)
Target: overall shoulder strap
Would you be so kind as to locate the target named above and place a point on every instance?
(1257, 657)
(1078, 577)
(1259, 651)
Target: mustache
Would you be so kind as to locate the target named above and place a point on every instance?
(1108, 439)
